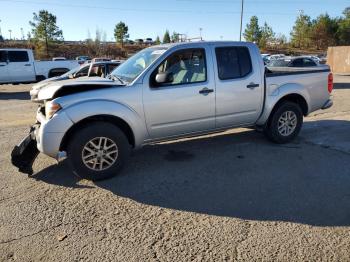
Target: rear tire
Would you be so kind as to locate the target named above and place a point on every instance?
(98, 151)
(284, 123)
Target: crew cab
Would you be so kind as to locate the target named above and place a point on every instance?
(19, 66)
(165, 92)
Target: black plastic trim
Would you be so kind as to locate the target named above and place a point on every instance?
(284, 73)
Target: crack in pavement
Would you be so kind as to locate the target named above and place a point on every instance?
(41, 231)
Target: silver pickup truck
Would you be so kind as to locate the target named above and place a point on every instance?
(166, 92)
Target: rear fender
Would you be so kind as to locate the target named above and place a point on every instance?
(274, 94)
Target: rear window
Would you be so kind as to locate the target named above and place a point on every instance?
(18, 56)
(233, 62)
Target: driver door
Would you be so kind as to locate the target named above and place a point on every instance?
(187, 103)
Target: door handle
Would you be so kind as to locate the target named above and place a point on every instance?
(206, 91)
(2, 65)
(252, 85)
(27, 65)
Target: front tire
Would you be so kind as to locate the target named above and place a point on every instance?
(98, 151)
(285, 123)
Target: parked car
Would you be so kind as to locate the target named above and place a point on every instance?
(148, 41)
(129, 42)
(139, 41)
(266, 58)
(19, 66)
(82, 59)
(101, 69)
(300, 63)
(276, 56)
(166, 92)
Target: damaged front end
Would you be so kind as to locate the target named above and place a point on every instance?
(24, 154)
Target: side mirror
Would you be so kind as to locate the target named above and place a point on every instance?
(164, 78)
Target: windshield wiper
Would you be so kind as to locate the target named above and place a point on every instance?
(114, 77)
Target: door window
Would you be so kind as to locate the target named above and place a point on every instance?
(18, 56)
(82, 72)
(187, 67)
(98, 70)
(233, 62)
(3, 57)
(308, 62)
(111, 67)
(298, 62)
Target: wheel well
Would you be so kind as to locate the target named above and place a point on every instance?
(57, 72)
(40, 78)
(295, 98)
(118, 122)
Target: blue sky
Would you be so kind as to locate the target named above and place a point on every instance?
(149, 18)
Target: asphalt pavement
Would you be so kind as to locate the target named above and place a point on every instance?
(232, 196)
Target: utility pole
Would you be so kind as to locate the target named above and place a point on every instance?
(10, 31)
(200, 33)
(0, 28)
(240, 30)
(22, 33)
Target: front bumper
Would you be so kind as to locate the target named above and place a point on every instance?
(45, 136)
(24, 154)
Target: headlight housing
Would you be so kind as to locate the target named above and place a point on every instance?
(51, 108)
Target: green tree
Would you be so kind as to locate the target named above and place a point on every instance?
(166, 37)
(267, 35)
(252, 32)
(300, 35)
(175, 37)
(121, 32)
(157, 41)
(44, 28)
(344, 28)
(324, 31)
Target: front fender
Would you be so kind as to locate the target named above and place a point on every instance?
(275, 94)
(83, 110)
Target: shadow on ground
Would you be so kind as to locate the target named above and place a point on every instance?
(237, 175)
(14, 95)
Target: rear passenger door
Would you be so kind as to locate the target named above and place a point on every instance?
(239, 87)
(19, 67)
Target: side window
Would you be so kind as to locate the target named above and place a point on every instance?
(186, 66)
(82, 72)
(18, 56)
(111, 67)
(309, 62)
(3, 57)
(233, 62)
(98, 70)
(298, 63)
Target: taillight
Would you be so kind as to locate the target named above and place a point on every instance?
(330, 82)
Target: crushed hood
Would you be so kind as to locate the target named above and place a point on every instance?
(50, 90)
